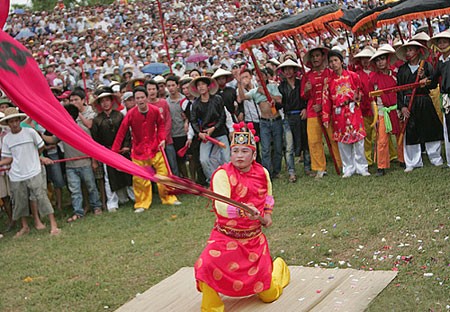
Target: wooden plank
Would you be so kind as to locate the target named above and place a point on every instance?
(311, 289)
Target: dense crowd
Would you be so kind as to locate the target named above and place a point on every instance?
(100, 64)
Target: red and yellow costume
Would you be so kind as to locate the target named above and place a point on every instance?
(147, 131)
(236, 261)
(367, 114)
(314, 131)
(386, 104)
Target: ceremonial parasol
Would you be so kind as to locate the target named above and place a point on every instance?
(414, 9)
(197, 57)
(348, 20)
(155, 68)
(309, 23)
(367, 21)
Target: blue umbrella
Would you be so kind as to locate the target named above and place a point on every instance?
(155, 68)
(25, 33)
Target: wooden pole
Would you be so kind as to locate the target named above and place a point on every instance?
(166, 45)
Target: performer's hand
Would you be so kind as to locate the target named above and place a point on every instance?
(210, 130)
(267, 220)
(202, 136)
(308, 87)
(255, 214)
(162, 144)
(124, 150)
(46, 161)
(188, 143)
(317, 108)
(405, 112)
(421, 72)
(94, 164)
(423, 82)
(325, 124)
(303, 114)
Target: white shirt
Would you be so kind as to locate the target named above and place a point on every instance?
(23, 148)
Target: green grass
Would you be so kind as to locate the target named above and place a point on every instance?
(101, 262)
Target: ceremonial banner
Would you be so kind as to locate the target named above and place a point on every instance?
(4, 9)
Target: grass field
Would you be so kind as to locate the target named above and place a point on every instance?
(396, 222)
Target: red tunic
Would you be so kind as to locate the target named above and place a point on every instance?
(348, 124)
(314, 96)
(380, 81)
(147, 131)
(232, 266)
(366, 108)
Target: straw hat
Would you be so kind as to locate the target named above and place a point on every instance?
(288, 55)
(307, 57)
(274, 61)
(223, 73)
(390, 54)
(106, 92)
(366, 52)
(185, 79)
(212, 85)
(289, 63)
(420, 36)
(387, 47)
(401, 52)
(434, 40)
(10, 113)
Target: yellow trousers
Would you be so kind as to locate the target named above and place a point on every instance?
(315, 142)
(143, 188)
(369, 140)
(281, 276)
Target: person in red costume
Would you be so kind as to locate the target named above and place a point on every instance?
(311, 91)
(385, 107)
(236, 261)
(364, 69)
(342, 96)
(148, 138)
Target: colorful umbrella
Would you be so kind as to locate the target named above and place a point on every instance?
(155, 68)
(414, 9)
(309, 23)
(195, 58)
(367, 21)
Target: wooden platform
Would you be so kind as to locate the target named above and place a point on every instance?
(311, 289)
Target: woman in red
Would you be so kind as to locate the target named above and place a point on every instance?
(236, 261)
(342, 95)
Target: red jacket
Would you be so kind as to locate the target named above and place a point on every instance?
(314, 96)
(147, 131)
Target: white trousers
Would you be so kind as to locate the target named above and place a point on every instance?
(413, 154)
(113, 198)
(446, 144)
(353, 158)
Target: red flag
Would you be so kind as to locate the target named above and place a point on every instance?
(23, 82)
(4, 11)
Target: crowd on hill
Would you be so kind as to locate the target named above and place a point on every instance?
(100, 62)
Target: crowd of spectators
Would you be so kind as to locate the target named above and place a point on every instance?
(83, 49)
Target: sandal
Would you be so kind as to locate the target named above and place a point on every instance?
(74, 218)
